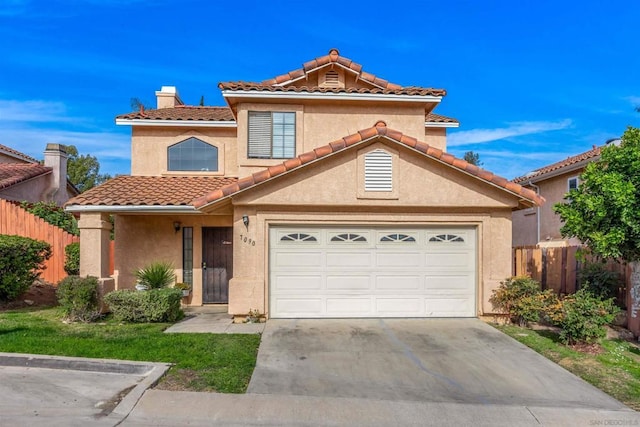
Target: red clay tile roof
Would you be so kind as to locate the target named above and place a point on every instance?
(379, 130)
(592, 154)
(381, 85)
(437, 118)
(259, 87)
(14, 173)
(182, 112)
(150, 191)
(15, 153)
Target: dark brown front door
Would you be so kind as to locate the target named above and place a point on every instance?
(217, 264)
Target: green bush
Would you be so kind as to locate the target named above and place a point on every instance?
(79, 298)
(21, 260)
(595, 278)
(155, 305)
(54, 215)
(72, 258)
(518, 297)
(156, 275)
(583, 317)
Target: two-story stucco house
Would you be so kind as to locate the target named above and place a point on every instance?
(324, 192)
(541, 225)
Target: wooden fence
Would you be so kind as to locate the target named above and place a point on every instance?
(15, 220)
(558, 268)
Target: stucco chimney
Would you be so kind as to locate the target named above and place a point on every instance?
(168, 97)
(55, 157)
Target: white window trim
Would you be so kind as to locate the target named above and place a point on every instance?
(577, 178)
(271, 113)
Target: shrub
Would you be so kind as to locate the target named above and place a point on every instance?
(156, 275)
(583, 317)
(54, 215)
(21, 260)
(518, 298)
(79, 298)
(595, 278)
(155, 305)
(72, 259)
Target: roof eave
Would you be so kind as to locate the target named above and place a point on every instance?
(169, 209)
(385, 97)
(560, 171)
(177, 123)
(441, 125)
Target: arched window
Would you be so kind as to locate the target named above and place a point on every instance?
(193, 155)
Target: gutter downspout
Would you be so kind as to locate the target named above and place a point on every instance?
(537, 212)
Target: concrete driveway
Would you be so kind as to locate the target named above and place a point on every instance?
(423, 360)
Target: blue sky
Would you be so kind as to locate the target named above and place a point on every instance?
(531, 82)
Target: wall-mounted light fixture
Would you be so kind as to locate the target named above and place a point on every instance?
(245, 221)
(177, 225)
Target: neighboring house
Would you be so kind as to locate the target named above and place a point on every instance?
(541, 225)
(324, 192)
(23, 178)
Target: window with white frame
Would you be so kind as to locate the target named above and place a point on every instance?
(572, 183)
(272, 135)
(192, 154)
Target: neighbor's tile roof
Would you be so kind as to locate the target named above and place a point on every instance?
(16, 153)
(182, 112)
(380, 129)
(592, 154)
(437, 118)
(14, 173)
(381, 86)
(150, 191)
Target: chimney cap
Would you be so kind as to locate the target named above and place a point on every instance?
(56, 147)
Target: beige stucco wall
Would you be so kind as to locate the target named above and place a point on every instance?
(436, 137)
(525, 221)
(142, 239)
(9, 159)
(149, 149)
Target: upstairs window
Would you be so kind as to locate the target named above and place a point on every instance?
(572, 183)
(192, 155)
(272, 135)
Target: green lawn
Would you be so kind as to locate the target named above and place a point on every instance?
(616, 371)
(203, 362)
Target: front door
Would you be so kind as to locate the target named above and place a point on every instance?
(217, 264)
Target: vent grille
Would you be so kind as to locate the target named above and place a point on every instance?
(332, 79)
(378, 173)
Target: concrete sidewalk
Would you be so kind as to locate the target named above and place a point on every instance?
(170, 408)
(212, 320)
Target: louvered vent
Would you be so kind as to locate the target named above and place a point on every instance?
(378, 171)
(332, 79)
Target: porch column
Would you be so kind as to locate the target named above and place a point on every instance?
(94, 248)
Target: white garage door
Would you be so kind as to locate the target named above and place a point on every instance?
(372, 272)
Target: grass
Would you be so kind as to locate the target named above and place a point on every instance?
(616, 370)
(203, 362)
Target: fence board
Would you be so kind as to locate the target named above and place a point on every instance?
(14, 220)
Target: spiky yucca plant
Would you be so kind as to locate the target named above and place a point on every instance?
(156, 275)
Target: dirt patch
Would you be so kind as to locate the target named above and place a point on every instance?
(593, 349)
(179, 380)
(40, 294)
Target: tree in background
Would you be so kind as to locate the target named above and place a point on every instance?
(473, 158)
(604, 211)
(202, 101)
(84, 170)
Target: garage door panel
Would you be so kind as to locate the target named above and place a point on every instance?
(298, 259)
(345, 306)
(349, 259)
(298, 282)
(448, 307)
(398, 283)
(372, 272)
(299, 306)
(398, 259)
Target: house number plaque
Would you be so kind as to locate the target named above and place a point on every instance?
(247, 240)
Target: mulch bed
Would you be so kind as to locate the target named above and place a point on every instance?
(40, 294)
